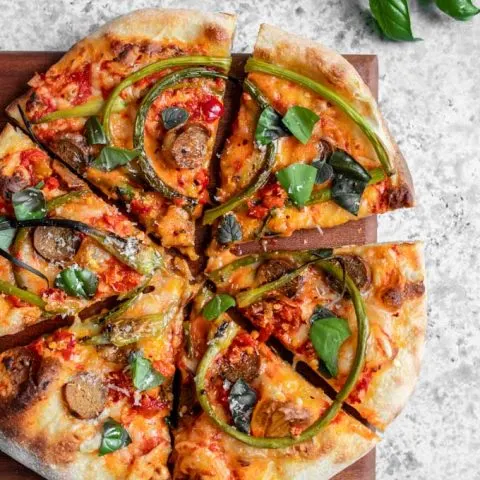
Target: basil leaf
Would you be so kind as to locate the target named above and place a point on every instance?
(173, 117)
(94, 132)
(300, 121)
(324, 171)
(327, 336)
(77, 282)
(269, 127)
(229, 230)
(217, 305)
(298, 180)
(458, 9)
(144, 376)
(347, 193)
(342, 162)
(393, 18)
(6, 236)
(241, 401)
(29, 204)
(114, 437)
(113, 157)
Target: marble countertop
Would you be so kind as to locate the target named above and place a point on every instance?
(429, 96)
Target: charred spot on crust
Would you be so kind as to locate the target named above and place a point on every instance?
(393, 297)
(272, 270)
(414, 289)
(400, 197)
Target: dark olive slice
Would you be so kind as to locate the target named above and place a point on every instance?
(73, 150)
(356, 269)
(186, 147)
(272, 270)
(244, 364)
(14, 183)
(56, 243)
(85, 395)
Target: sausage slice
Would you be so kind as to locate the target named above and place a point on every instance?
(272, 270)
(85, 395)
(356, 269)
(56, 243)
(14, 183)
(186, 147)
(73, 150)
(244, 364)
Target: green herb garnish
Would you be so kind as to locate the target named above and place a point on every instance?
(114, 437)
(298, 180)
(300, 121)
(218, 305)
(144, 376)
(94, 132)
(173, 117)
(77, 282)
(229, 230)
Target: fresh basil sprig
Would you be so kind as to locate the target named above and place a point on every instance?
(173, 117)
(393, 18)
(217, 305)
(241, 401)
(327, 335)
(113, 157)
(29, 204)
(229, 229)
(144, 376)
(298, 180)
(77, 282)
(300, 121)
(94, 132)
(114, 437)
(269, 127)
(458, 9)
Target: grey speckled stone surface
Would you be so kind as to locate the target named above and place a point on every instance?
(429, 95)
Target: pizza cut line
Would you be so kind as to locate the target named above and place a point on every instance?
(155, 378)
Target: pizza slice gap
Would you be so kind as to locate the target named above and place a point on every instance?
(302, 299)
(252, 403)
(309, 148)
(64, 250)
(134, 108)
(93, 400)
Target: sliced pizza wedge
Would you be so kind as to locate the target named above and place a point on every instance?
(134, 108)
(309, 148)
(92, 401)
(302, 299)
(260, 419)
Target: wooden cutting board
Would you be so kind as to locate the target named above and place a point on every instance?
(16, 68)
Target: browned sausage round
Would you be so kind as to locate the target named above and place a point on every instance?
(73, 150)
(56, 243)
(85, 395)
(356, 269)
(19, 364)
(186, 147)
(272, 270)
(242, 364)
(14, 183)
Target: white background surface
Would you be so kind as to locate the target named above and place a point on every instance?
(429, 94)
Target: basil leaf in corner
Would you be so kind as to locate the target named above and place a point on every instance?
(393, 18)
(269, 127)
(29, 204)
(173, 117)
(300, 121)
(217, 305)
(114, 437)
(6, 236)
(298, 180)
(113, 157)
(327, 336)
(229, 230)
(342, 162)
(241, 401)
(324, 171)
(144, 376)
(94, 132)
(458, 9)
(77, 282)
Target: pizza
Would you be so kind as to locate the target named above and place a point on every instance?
(153, 156)
(155, 356)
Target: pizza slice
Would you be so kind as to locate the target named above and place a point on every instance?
(64, 250)
(134, 108)
(309, 148)
(259, 418)
(92, 401)
(302, 299)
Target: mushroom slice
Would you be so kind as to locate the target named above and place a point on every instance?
(85, 395)
(56, 243)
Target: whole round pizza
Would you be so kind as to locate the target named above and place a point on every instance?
(178, 325)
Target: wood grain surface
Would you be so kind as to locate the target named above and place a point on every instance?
(16, 69)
